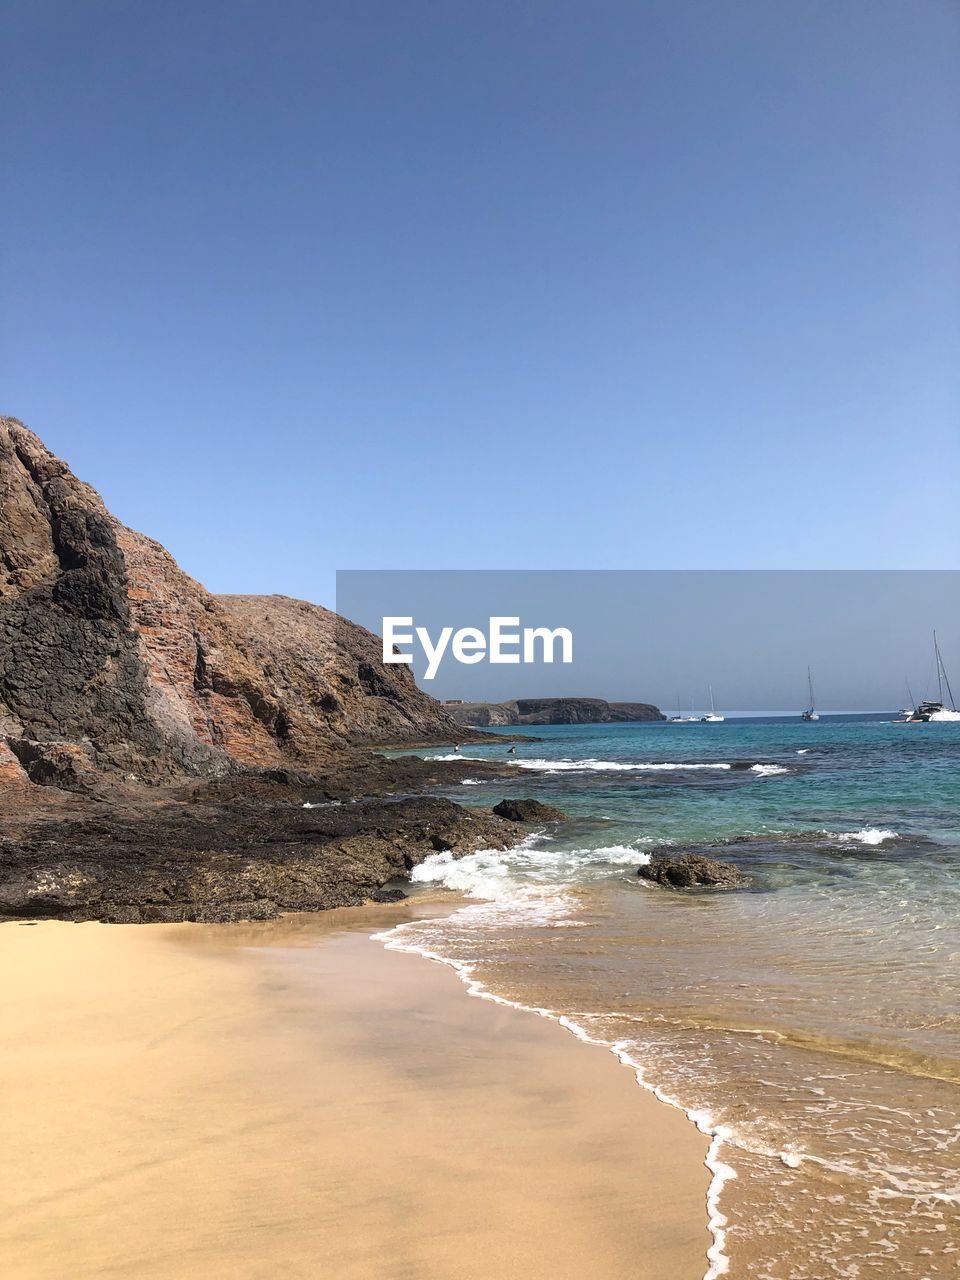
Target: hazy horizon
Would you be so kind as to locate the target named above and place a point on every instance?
(661, 636)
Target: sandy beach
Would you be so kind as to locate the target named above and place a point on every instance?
(290, 1099)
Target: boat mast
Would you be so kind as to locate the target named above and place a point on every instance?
(810, 688)
(942, 677)
(713, 709)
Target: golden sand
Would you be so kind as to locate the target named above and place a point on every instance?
(288, 1099)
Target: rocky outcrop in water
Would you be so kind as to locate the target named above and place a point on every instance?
(528, 811)
(688, 870)
(551, 711)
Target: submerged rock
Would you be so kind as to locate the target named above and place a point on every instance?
(687, 870)
(527, 811)
(388, 895)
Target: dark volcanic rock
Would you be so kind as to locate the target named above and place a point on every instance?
(563, 710)
(686, 870)
(527, 811)
(551, 711)
(68, 765)
(635, 711)
(248, 860)
(387, 895)
(106, 643)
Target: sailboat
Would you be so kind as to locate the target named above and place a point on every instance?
(712, 717)
(907, 714)
(680, 718)
(811, 712)
(938, 711)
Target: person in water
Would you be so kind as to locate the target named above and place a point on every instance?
(456, 746)
(512, 751)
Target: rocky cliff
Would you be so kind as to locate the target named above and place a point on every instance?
(112, 658)
(551, 711)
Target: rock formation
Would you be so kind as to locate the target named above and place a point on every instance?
(166, 754)
(245, 859)
(528, 811)
(687, 870)
(112, 658)
(551, 711)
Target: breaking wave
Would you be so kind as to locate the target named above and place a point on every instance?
(609, 766)
(866, 835)
(486, 876)
(502, 875)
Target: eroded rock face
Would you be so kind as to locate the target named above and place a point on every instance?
(330, 678)
(687, 870)
(107, 643)
(68, 765)
(69, 664)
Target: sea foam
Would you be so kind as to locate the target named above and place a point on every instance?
(866, 835)
(505, 875)
(545, 909)
(609, 766)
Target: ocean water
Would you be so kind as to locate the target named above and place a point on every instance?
(809, 1023)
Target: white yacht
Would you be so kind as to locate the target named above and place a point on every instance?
(938, 711)
(711, 717)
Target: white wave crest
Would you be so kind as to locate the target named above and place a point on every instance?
(619, 854)
(484, 874)
(768, 770)
(404, 938)
(472, 782)
(608, 766)
(866, 835)
(503, 875)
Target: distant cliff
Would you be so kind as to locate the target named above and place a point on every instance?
(551, 711)
(112, 658)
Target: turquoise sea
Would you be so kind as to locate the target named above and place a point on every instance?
(809, 1023)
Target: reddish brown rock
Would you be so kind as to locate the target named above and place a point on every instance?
(107, 643)
(11, 770)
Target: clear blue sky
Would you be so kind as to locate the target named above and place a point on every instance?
(301, 286)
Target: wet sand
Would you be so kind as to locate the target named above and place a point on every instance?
(288, 1099)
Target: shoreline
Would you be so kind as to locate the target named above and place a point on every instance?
(220, 1100)
(720, 1171)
